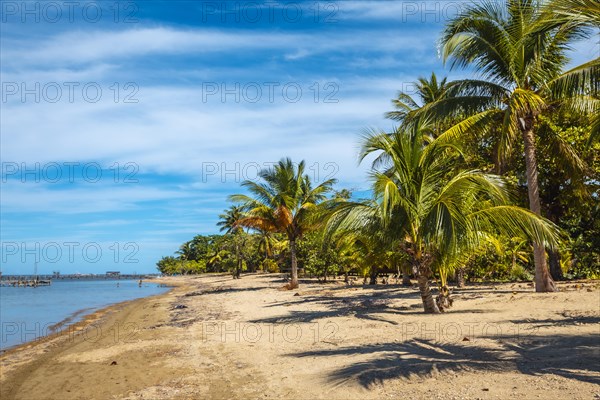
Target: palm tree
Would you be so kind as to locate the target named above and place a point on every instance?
(574, 12)
(185, 251)
(426, 202)
(520, 58)
(265, 243)
(426, 91)
(230, 218)
(230, 223)
(347, 252)
(285, 202)
(585, 14)
(371, 238)
(269, 244)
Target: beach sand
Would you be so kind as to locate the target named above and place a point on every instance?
(213, 337)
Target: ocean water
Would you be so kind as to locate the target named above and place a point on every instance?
(27, 313)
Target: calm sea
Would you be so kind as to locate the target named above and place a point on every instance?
(28, 313)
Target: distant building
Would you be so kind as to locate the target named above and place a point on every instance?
(113, 273)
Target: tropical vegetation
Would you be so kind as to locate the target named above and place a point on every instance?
(496, 177)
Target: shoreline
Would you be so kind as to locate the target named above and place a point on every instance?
(85, 318)
(56, 329)
(17, 362)
(78, 320)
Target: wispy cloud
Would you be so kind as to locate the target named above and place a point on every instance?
(81, 47)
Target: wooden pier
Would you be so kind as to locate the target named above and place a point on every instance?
(46, 280)
(25, 282)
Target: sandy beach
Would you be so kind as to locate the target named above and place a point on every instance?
(219, 338)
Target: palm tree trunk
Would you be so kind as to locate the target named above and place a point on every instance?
(429, 304)
(325, 273)
(238, 268)
(266, 258)
(294, 282)
(460, 277)
(543, 280)
(555, 269)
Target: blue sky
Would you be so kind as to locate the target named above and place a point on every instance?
(124, 129)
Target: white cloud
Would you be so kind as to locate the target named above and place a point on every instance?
(80, 47)
(171, 130)
(300, 53)
(29, 197)
(426, 12)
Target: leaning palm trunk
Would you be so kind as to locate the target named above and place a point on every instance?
(423, 274)
(294, 281)
(543, 280)
(443, 300)
(437, 213)
(429, 305)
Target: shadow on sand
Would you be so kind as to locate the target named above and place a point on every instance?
(368, 306)
(371, 305)
(573, 357)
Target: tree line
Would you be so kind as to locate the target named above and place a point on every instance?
(495, 177)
